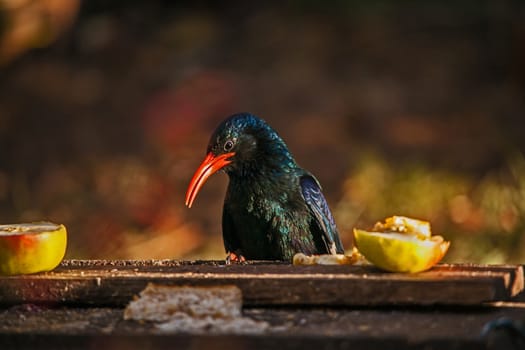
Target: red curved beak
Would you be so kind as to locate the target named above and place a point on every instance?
(210, 165)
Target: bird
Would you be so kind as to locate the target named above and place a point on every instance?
(273, 208)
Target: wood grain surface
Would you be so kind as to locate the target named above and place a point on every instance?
(116, 282)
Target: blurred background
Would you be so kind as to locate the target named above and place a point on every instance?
(398, 107)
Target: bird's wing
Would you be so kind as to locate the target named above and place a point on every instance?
(317, 203)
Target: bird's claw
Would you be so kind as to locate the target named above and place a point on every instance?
(234, 258)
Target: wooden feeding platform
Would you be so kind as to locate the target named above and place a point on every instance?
(80, 305)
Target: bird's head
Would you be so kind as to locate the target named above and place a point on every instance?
(243, 144)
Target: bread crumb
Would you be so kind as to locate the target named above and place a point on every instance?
(193, 310)
(238, 325)
(355, 258)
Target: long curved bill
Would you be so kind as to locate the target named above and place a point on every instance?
(210, 165)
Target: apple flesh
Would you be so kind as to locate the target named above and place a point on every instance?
(31, 247)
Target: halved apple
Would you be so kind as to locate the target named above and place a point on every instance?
(31, 247)
(405, 245)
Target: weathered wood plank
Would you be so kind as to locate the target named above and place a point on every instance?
(515, 281)
(34, 327)
(116, 282)
(219, 342)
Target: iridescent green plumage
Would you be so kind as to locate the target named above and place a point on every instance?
(273, 208)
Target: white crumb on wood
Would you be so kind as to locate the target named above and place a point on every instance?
(354, 258)
(208, 324)
(193, 310)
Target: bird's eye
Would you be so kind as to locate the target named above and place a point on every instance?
(228, 145)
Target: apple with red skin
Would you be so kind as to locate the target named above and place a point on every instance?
(31, 247)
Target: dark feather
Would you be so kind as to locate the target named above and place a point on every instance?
(273, 208)
(319, 208)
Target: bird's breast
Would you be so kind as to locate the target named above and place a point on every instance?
(270, 221)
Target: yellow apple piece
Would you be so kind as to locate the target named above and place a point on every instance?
(31, 247)
(401, 252)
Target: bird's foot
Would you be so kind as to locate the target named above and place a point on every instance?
(235, 258)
